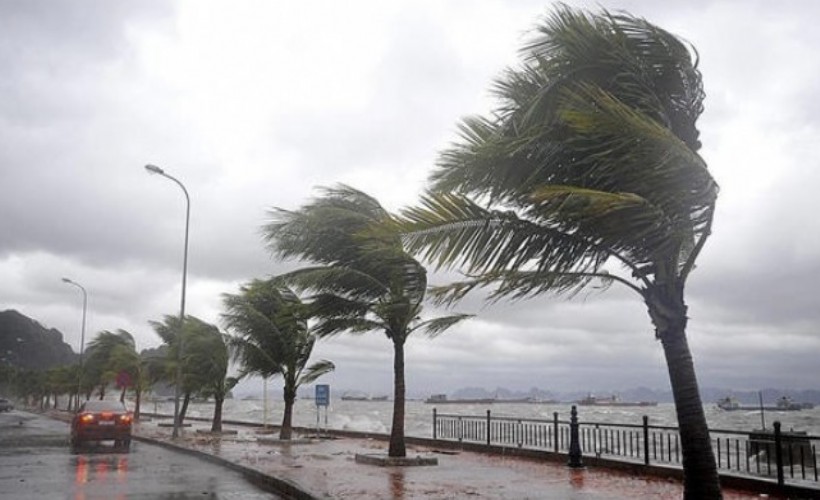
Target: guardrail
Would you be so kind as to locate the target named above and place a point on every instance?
(785, 456)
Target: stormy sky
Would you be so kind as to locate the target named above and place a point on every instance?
(254, 104)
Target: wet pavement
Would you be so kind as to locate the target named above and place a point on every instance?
(326, 468)
(36, 463)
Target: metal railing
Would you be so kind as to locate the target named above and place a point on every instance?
(786, 456)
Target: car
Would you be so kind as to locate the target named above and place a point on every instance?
(5, 405)
(101, 421)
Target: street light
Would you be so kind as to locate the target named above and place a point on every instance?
(82, 338)
(153, 169)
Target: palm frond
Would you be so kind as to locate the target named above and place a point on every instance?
(518, 285)
(436, 326)
(593, 149)
(341, 280)
(316, 370)
(328, 327)
(450, 229)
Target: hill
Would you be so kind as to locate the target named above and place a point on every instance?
(25, 343)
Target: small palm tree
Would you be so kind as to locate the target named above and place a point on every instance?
(59, 381)
(207, 351)
(273, 338)
(363, 279)
(197, 374)
(109, 354)
(590, 162)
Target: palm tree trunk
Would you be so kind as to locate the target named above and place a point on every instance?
(668, 313)
(397, 448)
(137, 402)
(182, 411)
(287, 419)
(216, 426)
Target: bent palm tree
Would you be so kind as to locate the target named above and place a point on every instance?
(273, 339)
(195, 374)
(206, 352)
(364, 280)
(589, 161)
(107, 357)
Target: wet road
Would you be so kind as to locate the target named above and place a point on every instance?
(36, 463)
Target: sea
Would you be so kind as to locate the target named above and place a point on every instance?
(376, 416)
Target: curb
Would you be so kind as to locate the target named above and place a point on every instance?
(268, 483)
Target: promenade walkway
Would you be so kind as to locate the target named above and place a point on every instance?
(326, 468)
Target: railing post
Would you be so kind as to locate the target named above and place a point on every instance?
(435, 425)
(645, 440)
(460, 430)
(555, 430)
(520, 429)
(778, 452)
(575, 461)
(488, 427)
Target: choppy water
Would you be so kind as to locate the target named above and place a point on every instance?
(375, 416)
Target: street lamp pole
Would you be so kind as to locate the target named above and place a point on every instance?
(153, 169)
(82, 338)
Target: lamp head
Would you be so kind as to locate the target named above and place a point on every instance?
(154, 169)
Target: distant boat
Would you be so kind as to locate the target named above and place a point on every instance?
(442, 399)
(528, 400)
(783, 404)
(362, 397)
(728, 404)
(354, 397)
(613, 400)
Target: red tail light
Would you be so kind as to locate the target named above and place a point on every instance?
(87, 418)
(125, 419)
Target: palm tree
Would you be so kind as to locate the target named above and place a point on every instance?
(206, 352)
(108, 354)
(59, 381)
(590, 162)
(363, 280)
(195, 375)
(273, 339)
(124, 358)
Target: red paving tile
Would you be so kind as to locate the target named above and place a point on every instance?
(327, 469)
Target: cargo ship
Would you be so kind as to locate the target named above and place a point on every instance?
(613, 400)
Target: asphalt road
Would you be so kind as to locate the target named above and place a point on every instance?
(36, 463)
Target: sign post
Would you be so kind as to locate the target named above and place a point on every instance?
(322, 399)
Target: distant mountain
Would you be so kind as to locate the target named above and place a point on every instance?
(25, 343)
(503, 393)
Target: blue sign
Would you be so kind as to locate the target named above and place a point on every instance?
(322, 395)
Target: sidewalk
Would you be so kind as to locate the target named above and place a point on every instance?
(326, 469)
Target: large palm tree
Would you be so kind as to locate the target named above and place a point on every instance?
(363, 280)
(273, 338)
(587, 172)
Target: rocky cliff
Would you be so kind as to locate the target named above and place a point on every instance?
(25, 343)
